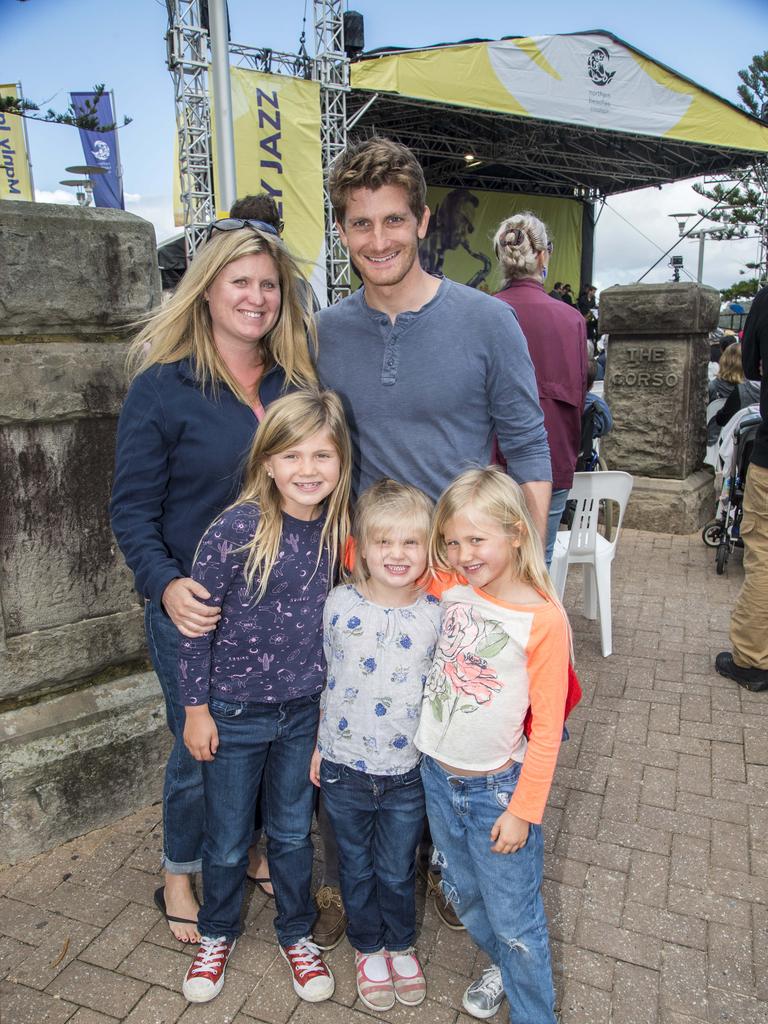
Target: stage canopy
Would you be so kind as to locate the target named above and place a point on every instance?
(577, 116)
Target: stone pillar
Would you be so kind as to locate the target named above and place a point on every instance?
(82, 730)
(656, 387)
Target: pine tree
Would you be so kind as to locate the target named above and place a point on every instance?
(744, 212)
(87, 118)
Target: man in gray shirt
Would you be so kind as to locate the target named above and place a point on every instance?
(428, 370)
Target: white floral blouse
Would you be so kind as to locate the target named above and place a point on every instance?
(378, 660)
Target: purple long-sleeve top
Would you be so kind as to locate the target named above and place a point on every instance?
(266, 651)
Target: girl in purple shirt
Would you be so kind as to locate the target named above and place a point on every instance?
(251, 689)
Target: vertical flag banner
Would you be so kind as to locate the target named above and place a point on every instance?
(276, 122)
(15, 178)
(101, 150)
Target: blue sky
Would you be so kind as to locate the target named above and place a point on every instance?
(54, 46)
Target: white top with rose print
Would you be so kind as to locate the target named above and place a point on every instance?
(493, 661)
(378, 659)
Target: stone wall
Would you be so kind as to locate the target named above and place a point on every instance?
(75, 694)
(656, 387)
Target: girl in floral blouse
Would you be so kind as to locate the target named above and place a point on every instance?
(379, 637)
(504, 649)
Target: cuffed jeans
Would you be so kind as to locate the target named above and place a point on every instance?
(378, 821)
(268, 745)
(496, 895)
(183, 806)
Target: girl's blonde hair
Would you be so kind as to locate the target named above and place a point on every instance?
(182, 327)
(493, 494)
(517, 243)
(290, 421)
(731, 369)
(388, 507)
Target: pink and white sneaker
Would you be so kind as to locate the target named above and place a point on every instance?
(407, 977)
(312, 978)
(205, 977)
(374, 982)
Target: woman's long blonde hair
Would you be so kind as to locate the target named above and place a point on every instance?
(182, 327)
(731, 369)
(495, 495)
(290, 421)
(386, 508)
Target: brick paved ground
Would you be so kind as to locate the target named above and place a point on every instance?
(656, 870)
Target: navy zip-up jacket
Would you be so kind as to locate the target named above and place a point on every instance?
(179, 462)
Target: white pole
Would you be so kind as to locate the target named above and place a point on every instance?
(700, 274)
(226, 182)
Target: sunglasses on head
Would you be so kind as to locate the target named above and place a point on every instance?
(236, 223)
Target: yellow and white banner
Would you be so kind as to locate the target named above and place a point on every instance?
(15, 178)
(276, 123)
(459, 242)
(586, 79)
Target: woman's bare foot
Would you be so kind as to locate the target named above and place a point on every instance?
(180, 902)
(258, 870)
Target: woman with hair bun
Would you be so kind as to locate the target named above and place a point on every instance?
(557, 342)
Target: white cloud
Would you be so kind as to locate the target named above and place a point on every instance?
(156, 209)
(622, 254)
(57, 196)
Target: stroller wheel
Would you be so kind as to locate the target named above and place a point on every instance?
(711, 533)
(721, 558)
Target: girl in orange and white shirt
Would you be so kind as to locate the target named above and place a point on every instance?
(504, 649)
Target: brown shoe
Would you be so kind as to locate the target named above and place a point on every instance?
(444, 909)
(331, 921)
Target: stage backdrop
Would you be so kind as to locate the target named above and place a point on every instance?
(15, 179)
(276, 121)
(459, 241)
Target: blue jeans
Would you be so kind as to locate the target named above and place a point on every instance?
(496, 895)
(183, 806)
(275, 741)
(556, 508)
(378, 821)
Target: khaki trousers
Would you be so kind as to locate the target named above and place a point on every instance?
(749, 621)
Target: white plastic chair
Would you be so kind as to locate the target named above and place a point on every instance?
(582, 544)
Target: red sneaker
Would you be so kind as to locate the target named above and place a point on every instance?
(205, 978)
(312, 979)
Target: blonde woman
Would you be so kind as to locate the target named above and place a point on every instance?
(231, 340)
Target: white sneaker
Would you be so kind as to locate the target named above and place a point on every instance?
(205, 977)
(312, 978)
(484, 997)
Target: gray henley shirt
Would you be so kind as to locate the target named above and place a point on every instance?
(424, 396)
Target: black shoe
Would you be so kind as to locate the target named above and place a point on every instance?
(753, 679)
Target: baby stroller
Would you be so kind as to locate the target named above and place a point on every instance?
(734, 451)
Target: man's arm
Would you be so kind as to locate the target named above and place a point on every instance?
(537, 494)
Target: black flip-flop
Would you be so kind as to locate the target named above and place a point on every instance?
(260, 883)
(159, 899)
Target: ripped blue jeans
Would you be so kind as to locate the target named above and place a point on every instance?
(497, 896)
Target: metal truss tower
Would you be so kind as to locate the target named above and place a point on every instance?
(188, 61)
(332, 72)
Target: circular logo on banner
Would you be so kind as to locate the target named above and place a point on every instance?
(596, 66)
(100, 150)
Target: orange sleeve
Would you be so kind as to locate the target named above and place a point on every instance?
(547, 657)
(442, 581)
